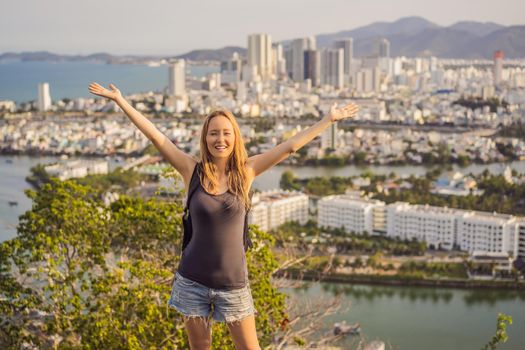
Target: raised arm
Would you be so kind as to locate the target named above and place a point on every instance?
(262, 162)
(181, 161)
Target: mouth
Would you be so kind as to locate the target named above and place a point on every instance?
(221, 148)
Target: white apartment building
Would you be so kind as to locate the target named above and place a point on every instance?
(270, 209)
(486, 232)
(352, 213)
(439, 227)
(518, 239)
(434, 225)
(77, 168)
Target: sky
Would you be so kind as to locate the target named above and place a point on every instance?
(163, 27)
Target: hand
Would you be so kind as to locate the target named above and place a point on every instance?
(348, 111)
(99, 90)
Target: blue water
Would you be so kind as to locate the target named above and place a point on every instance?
(19, 80)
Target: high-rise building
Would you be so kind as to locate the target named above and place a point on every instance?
(299, 46)
(177, 78)
(348, 48)
(312, 66)
(332, 67)
(278, 62)
(44, 97)
(231, 69)
(498, 67)
(329, 137)
(260, 55)
(384, 48)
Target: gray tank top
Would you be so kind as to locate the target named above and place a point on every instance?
(215, 254)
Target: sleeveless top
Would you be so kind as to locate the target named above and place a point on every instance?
(215, 255)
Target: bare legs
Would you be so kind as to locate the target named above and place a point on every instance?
(243, 333)
(199, 332)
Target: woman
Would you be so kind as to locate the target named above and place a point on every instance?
(212, 279)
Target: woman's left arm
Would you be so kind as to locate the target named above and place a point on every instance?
(262, 162)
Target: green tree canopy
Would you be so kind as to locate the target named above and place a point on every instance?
(81, 275)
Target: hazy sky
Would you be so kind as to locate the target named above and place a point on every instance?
(163, 27)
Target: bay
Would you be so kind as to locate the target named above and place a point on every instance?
(19, 80)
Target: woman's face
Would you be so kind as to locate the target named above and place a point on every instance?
(220, 137)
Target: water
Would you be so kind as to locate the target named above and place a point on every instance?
(19, 80)
(270, 179)
(12, 180)
(422, 318)
(404, 317)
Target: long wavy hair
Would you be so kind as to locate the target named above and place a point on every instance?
(236, 166)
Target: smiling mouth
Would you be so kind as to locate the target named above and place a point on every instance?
(220, 148)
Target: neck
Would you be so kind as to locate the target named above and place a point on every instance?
(220, 163)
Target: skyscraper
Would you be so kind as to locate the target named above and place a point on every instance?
(231, 69)
(177, 78)
(348, 48)
(260, 54)
(299, 46)
(44, 97)
(278, 61)
(332, 67)
(498, 67)
(312, 66)
(384, 48)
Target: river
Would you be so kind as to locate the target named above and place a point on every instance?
(421, 318)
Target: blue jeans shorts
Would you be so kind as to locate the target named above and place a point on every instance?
(193, 299)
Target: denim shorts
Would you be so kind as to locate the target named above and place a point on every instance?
(193, 299)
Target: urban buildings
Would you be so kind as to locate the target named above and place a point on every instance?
(352, 213)
(44, 97)
(271, 209)
(77, 168)
(259, 57)
(440, 227)
(177, 78)
(498, 67)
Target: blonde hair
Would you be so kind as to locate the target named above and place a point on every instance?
(236, 165)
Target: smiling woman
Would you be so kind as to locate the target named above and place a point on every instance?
(212, 278)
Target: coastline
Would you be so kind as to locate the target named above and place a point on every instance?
(401, 281)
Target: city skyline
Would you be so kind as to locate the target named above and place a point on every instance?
(123, 28)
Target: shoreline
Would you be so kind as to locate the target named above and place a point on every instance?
(400, 281)
(31, 153)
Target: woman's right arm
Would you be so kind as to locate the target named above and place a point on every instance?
(181, 161)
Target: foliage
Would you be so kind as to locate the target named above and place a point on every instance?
(516, 129)
(499, 195)
(116, 179)
(501, 332)
(80, 275)
(318, 186)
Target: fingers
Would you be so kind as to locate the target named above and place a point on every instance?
(112, 87)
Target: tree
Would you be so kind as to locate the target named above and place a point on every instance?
(501, 332)
(83, 275)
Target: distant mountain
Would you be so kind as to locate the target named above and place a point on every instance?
(52, 57)
(415, 36)
(477, 28)
(407, 25)
(409, 36)
(222, 54)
